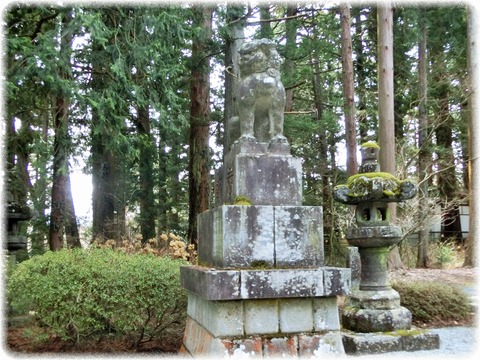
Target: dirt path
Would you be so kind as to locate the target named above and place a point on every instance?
(458, 276)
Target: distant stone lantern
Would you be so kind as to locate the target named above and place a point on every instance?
(16, 214)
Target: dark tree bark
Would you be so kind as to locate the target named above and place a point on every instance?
(62, 212)
(71, 226)
(147, 200)
(447, 180)
(59, 182)
(108, 203)
(386, 125)
(290, 49)
(360, 76)
(265, 28)
(348, 92)
(424, 158)
(198, 169)
(233, 41)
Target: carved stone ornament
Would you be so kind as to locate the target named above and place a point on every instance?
(261, 95)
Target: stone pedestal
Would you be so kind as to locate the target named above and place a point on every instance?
(260, 287)
(373, 314)
(265, 177)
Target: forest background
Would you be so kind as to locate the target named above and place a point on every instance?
(139, 98)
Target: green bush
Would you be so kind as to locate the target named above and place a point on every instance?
(429, 301)
(79, 294)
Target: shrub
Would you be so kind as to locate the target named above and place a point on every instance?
(92, 293)
(170, 245)
(430, 301)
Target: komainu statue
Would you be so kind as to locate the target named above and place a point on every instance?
(261, 95)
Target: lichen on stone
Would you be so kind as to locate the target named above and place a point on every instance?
(242, 200)
(374, 186)
(370, 144)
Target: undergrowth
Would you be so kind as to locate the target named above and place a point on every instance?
(87, 294)
(433, 301)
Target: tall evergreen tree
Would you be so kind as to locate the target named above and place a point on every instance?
(199, 183)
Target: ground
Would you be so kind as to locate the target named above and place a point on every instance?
(18, 342)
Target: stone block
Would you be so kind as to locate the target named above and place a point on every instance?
(236, 236)
(325, 314)
(285, 347)
(213, 284)
(198, 342)
(196, 339)
(242, 348)
(369, 320)
(220, 318)
(261, 317)
(281, 283)
(353, 262)
(359, 344)
(298, 236)
(264, 178)
(336, 281)
(320, 346)
(296, 315)
(422, 341)
(376, 343)
(376, 300)
(210, 283)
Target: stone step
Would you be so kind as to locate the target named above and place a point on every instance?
(218, 284)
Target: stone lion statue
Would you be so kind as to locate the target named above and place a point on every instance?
(260, 93)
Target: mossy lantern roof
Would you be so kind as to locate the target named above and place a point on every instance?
(374, 187)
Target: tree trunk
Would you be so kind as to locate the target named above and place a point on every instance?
(106, 179)
(60, 181)
(386, 124)
(103, 173)
(290, 49)
(71, 226)
(266, 31)
(233, 41)
(198, 169)
(146, 196)
(348, 92)
(473, 24)
(163, 196)
(424, 155)
(447, 180)
(360, 75)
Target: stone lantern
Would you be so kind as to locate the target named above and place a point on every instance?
(374, 307)
(16, 214)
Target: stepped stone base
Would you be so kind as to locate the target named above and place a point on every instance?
(215, 284)
(199, 342)
(264, 313)
(376, 343)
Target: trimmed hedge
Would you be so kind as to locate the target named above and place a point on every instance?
(93, 293)
(429, 301)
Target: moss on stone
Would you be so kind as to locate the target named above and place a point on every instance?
(404, 332)
(370, 144)
(381, 175)
(242, 200)
(260, 265)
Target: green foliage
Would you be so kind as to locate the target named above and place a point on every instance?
(429, 301)
(78, 294)
(445, 254)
